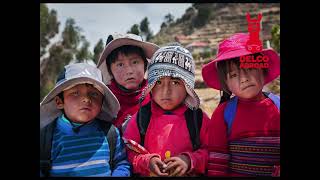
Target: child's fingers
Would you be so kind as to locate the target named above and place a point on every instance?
(159, 164)
(176, 171)
(182, 172)
(170, 159)
(158, 172)
(165, 166)
(155, 163)
(167, 160)
(170, 166)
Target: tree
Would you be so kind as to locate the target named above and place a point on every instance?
(275, 33)
(145, 30)
(61, 53)
(83, 53)
(149, 36)
(190, 12)
(204, 11)
(274, 86)
(144, 25)
(71, 35)
(98, 48)
(163, 25)
(169, 18)
(58, 59)
(49, 27)
(134, 29)
(51, 66)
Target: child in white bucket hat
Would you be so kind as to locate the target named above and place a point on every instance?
(123, 63)
(172, 124)
(75, 119)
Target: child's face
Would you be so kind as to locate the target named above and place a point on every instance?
(245, 84)
(169, 92)
(81, 104)
(128, 71)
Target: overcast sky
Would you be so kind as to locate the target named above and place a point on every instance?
(99, 20)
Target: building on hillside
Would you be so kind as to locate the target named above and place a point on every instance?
(198, 47)
(182, 39)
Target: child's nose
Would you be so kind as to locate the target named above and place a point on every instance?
(243, 77)
(243, 80)
(86, 99)
(129, 69)
(166, 89)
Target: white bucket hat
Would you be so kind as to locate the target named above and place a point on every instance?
(116, 40)
(73, 75)
(175, 61)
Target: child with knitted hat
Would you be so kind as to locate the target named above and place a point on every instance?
(123, 63)
(172, 127)
(244, 131)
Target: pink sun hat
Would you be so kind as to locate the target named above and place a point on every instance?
(232, 47)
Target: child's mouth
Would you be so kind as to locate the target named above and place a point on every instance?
(85, 109)
(130, 79)
(247, 87)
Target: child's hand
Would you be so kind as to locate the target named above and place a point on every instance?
(156, 165)
(179, 165)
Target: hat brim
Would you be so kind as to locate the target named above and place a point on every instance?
(192, 100)
(147, 47)
(49, 111)
(210, 72)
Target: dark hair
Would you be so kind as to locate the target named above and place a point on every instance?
(126, 50)
(224, 67)
(60, 95)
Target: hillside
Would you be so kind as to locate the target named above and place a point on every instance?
(224, 19)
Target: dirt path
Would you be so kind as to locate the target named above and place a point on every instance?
(209, 98)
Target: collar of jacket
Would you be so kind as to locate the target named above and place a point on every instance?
(114, 86)
(156, 109)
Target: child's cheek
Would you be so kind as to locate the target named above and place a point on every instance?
(229, 85)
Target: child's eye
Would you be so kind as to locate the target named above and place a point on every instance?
(94, 94)
(158, 82)
(119, 64)
(135, 62)
(175, 82)
(233, 75)
(75, 93)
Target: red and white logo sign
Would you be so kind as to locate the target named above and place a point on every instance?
(254, 45)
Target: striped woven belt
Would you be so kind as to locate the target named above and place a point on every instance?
(254, 156)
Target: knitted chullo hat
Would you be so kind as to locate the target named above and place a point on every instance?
(175, 61)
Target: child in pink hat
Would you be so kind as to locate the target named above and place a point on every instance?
(244, 131)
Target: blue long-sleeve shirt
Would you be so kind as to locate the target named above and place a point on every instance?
(85, 153)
